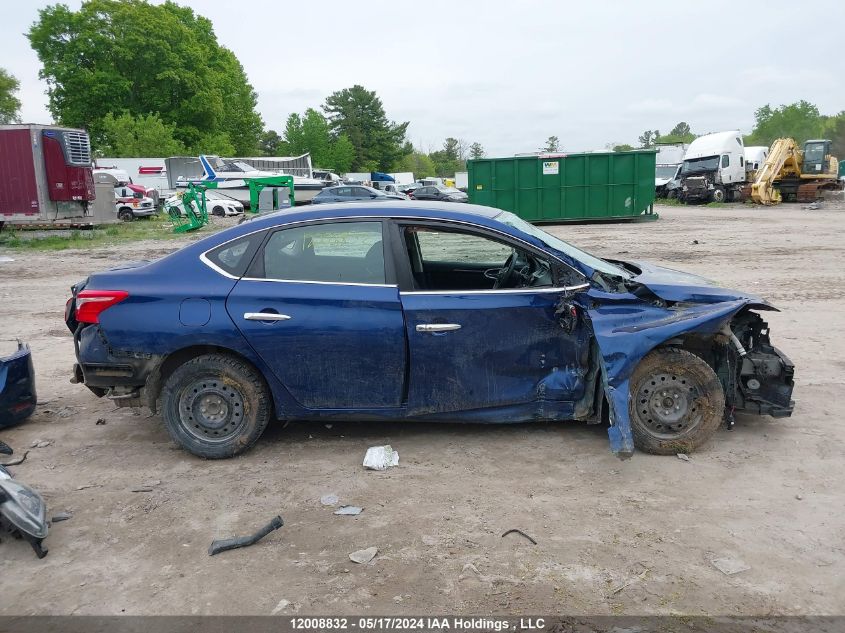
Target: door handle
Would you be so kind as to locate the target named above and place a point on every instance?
(438, 327)
(265, 316)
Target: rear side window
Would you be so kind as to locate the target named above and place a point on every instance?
(234, 257)
(339, 252)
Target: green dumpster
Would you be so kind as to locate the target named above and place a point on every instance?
(567, 187)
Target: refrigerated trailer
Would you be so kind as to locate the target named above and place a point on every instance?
(45, 176)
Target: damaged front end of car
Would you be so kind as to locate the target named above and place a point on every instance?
(17, 383)
(660, 308)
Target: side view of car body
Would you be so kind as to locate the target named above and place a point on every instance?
(420, 311)
(353, 193)
(439, 193)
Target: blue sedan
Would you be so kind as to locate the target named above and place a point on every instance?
(420, 311)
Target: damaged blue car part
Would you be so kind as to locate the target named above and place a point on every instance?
(420, 311)
(17, 385)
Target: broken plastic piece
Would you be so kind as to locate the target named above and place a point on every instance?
(381, 457)
(349, 510)
(244, 541)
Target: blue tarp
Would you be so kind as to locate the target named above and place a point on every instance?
(378, 176)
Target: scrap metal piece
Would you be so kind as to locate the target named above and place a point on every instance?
(5, 449)
(514, 530)
(15, 462)
(235, 542)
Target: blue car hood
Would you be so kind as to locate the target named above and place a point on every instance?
(675, 285)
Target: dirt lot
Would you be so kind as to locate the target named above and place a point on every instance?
(633, 537)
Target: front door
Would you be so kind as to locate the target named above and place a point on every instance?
(482, 327)
(318, 307)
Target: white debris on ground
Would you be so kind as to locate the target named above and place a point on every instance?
(381, 457)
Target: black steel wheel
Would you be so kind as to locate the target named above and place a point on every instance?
(676, 404)
(126, 215)
(218, 211)
(215, 406)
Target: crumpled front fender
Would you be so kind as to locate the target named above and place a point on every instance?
(625, 332)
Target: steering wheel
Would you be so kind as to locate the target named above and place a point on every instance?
(505, 273)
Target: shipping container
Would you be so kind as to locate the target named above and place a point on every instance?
(567, 187)
(45, 176)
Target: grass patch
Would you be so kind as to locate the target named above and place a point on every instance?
(716, 204)
(155, 228)
(669, 202)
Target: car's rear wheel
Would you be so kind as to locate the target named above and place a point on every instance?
(215, 406)
(677, 402)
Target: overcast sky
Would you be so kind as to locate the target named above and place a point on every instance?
(510, 74)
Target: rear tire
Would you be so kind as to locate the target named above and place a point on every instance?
(677, 402)
(126, 215)
(215, 406)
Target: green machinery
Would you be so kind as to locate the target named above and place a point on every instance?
(190, 212)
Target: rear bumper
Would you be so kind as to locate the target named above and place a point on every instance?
(17, 386)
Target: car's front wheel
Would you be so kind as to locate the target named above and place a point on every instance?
(677, 402)
(215, 406)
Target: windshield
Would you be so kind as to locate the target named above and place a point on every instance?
(814, 152)
(698, 165)
(665, 171)
(505, 217)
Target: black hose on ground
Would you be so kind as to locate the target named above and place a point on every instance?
(244, 541)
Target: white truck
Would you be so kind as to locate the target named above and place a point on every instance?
(669, 159)
(714, 168)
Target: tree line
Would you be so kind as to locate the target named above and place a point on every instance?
(149, 80)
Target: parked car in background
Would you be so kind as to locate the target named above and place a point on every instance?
(420, 311)
(394, 190)
(440, 193)
(130, 205)
(409, 189)
(353, 193)
(221, 205)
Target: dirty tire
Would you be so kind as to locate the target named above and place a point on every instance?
(718, 195)
(126, 215)
(218, 211)
(697, 402)
(215, 406)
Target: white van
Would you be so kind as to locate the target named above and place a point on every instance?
(713, 168)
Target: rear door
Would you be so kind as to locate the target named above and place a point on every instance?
(322, 310)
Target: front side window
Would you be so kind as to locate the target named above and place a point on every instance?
(339, 252)
(446, 260)
(726, 160)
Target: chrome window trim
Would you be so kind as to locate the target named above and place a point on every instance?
(380, 218)
(503, 291)
(321, 283)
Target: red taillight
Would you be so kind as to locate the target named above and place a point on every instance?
(90, 303)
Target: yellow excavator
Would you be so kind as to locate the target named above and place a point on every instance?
(790, 173)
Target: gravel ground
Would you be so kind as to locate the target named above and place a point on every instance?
(633, 537)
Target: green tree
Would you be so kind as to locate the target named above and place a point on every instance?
(125, 136)
(800, 120)
(448, 160)
(142, 58)
(269, 143)
(418, 163)
(681, 133)
(624, 147)
(834, 129)
(10, 105)
(342, 154)
(552, 145)
(648, 138)
(359, 114)
(476, 150)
